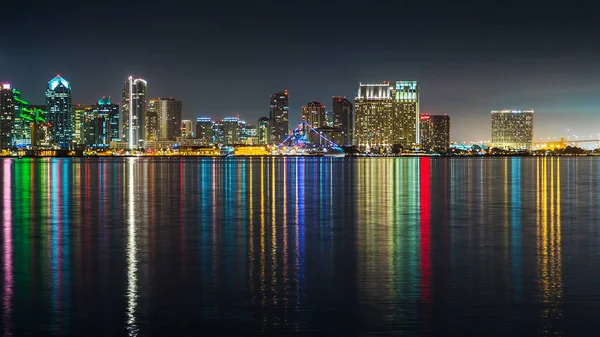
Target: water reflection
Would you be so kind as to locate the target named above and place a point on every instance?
(131, 250)
(411, 246)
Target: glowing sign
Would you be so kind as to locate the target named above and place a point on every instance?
(6, 86)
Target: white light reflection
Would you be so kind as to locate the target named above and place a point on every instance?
(132, 262)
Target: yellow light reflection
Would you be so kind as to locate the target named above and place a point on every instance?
(549, 243)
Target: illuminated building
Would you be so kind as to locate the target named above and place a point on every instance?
(101, 124)
(133, 118)
(231, 130)
(186, 128)
(248, 133)
(28, 118)
(387, 115)
(512, 129)
(333, 134)
(262, 130)
(435, 132)
(168, 111)
(7, 115)
(279, 116)
(343, 118)
(151, 121)
(204, 130)
(314, 115)
(329, 118)
(60, 112)
(217, 132)
(78, 112)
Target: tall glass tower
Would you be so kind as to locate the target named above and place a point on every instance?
(280, 106)
(132, 124)
(7, 115)
(60, 112)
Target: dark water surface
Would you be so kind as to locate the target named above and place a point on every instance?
(300, 246)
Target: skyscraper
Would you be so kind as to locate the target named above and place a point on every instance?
(101, 124)
(78, 117)
(60, 112)
(204, 130)
(168, 111)
(343, 118)
(7, 115)
(186, 128)
(314, 115)
(279, 116)
(133, 118)
(231, 130)
(152, 121)
(435, 132)
(512, 129)
(387, 115)
(262, 130)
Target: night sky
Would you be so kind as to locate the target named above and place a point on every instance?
(225, 58)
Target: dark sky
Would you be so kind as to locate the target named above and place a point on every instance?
(224, 58)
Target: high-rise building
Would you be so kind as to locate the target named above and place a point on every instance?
(78, 114)
(343, 118)
(248, 133)
(329, 118)
(279, 116)
(387, 115)
(101, 124)
(186, 128)
(314, 115)
(218, 132)
(512, 129)
(60, 112)
(262, 131)
(133, 118)
(7, 115)
(435, 132)
(204, 130)
(152, 121)
(168, 111)
(231, 130)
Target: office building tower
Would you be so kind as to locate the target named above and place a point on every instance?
(329, 118)
(7, 115)
(133, 118)
(218, 132)
(101, 124)
(78, 112)
(435, 132)
(60, 112)
(152, 121)
(186, 129)
(387, 115)
(248, 133)
(168, 111)
(204, 130)
(512, 129)
(343, 118)
(231, 130)
(314, 115)
(262, 131)
(279, 116)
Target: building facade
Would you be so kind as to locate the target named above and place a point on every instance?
(343, 118)
(168, 111)
(512, 129)
(151, 121)
(101, 124)
(204, 130)
(133, 117)
(314, 115)
(435, 132)
(7, 115)
(387, 115)
(60, 112)
(231, 131)
(186, 129)
(78, 117)
(279, 116)
(263, 128)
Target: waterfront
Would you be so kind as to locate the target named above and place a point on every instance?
(300, 246)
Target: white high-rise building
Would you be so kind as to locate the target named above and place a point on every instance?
(132, 128)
